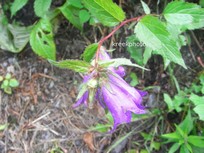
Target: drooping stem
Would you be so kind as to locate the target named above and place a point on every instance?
(110, 34)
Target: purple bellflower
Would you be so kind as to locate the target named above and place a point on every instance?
(112, 92)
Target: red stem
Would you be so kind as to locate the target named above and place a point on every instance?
(110, 34)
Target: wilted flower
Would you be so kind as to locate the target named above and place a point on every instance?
(112, 92)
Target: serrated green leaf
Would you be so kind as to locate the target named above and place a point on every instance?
(13, 83)
(199, 110)
(84, 16)
(41, 7)
(186, 15)
(75, 65)
(71, 13)
(17, 5)
(107, 12)
(145, 7)
(90, 52)
(153, 33)
(42, 41)
(118, 62)
(197, 141)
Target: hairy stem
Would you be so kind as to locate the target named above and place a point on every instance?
(110, 34)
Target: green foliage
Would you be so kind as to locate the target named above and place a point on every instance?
(118, 62)
(185, 15)
(183, 140)
(7, 83)
(12, 37)
(145, 7)
(134, 80)
(90, 52)
(71, 10)
(153, 33)
(41, 7)
(75, 65)
(135, 49)
(41, 39)
(199, 105)
(108, 13)
(17, 5)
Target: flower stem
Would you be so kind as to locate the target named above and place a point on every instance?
(110, 34)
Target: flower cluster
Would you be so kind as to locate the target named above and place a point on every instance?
(109, 88)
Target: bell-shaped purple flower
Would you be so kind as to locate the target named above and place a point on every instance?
(114, 93)
(121, 99)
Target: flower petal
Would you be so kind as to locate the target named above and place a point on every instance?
(81, 100)
(119, 104)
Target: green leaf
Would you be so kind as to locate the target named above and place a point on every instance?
(84, 16)
(41, 7)
(184, 149)
(20, 36)
(12, 37)
(17, 5)
(118, 62)
(197, 100)
(187, 124)
(169, 102)
(75, 65)
(135, 49)
(71, 13)
(13, 83)
(101, 127)
(90, 52)
(42, 41)
(197, 141)
(186, 15)
(174, 148)
(134, 79)
(3, 126)
(147, 54)
(172, 136)
(145, 7)
(8, 90)
(8, 76)
(153, 33)
(5, 83)
(107, 12)
(155, 145)
(76, 3)
(199, 110)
